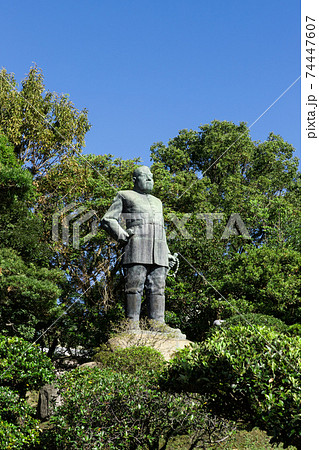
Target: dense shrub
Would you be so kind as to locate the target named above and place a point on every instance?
(18, 427)
(106, 409)
(131, 360)
(22, 367)
(295, 329)
(250, 374)
(256, 319)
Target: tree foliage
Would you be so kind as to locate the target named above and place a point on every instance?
(94, 290)
(44, 281)
(28, 287)
(219, 169)
(42, 125)
(42, 128)
(18, 427)
(215, 169)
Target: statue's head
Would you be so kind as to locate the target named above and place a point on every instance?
(143, 180)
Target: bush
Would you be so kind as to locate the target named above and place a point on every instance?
(106, 409)
(131, 360)
(18, 427)
(256, 319)
(295, 329)
(22, 367)
(250, 374)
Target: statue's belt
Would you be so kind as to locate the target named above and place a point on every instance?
(141, 222)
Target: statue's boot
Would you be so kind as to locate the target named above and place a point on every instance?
(133, 309)
(156, 317)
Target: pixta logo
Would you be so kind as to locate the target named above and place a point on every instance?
(235, 225)
(65, 222)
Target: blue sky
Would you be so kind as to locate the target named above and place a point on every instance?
(147, 69)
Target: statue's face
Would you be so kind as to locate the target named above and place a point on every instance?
(144, 181)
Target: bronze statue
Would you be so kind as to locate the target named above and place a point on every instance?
(146, 257)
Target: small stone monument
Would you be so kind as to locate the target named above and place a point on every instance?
(48, 396)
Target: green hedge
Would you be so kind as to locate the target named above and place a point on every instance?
(131, 360)
(256, 319)
(103, 409)
(22, 367)
(250, 374)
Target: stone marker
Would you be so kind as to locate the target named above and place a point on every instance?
(47, 395)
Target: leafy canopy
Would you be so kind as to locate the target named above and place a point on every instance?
(42, 125)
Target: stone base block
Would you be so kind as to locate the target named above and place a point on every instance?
(163, 342)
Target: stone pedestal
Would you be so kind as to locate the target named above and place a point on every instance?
(163, 342)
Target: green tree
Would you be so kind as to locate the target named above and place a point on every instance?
(219, 169)
(43, 128)
(269, 279)
(260, 181)
(93, 293)
(216, 169)
(42, 125)
(28, 287)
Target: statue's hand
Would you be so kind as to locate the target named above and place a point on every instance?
(125, 236)
(172, 260)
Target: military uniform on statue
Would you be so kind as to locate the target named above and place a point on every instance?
(146, 257)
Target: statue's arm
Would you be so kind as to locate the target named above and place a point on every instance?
(110, 220)
(172, 259)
